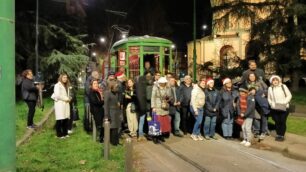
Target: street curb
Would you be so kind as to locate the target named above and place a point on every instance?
(30, 132)
(292, 146)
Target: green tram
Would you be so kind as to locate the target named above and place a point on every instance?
(132, 53)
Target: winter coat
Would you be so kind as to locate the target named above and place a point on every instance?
(279, 94)
(159, 94)
(212, 101)
(96, 104)
(227, 102)
(28, 90)
(197, 98)
(185, 94)
(143, 100)
(61, 104)
(112, 109)
(175, 94)
(250, 112)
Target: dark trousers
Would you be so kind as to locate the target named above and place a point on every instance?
(61, 127)
(70, 122)
(114, 136)
(280, 118)
(185, 119)
(31, 112)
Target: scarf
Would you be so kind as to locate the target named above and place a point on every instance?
(243, 103)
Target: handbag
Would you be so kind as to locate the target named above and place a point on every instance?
(154, 126)
(280, 106)
(164, 104)
(133, 108)
(239, 120)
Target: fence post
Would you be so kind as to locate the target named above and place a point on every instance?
(128, 155)
(94, 129)
(106, 138)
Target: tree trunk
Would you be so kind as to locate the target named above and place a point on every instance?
(295, 80)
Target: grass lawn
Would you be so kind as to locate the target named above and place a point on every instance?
(45, 152)
(22, 114)
(299, 97)
(295, 125)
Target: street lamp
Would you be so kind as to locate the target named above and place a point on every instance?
(123, 36)
(102, 40)
(94, 54)
(204, 27)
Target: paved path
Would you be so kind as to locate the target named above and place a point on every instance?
(213, 155)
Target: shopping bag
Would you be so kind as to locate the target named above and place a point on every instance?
(154, 126)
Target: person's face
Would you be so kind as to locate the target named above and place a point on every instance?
(122, 69)
(202, 83)
(168, 76)
(252, 77)
(156, 76)
(162, 84)
(148, 77)
(275, 82)
(147, 65)
(187, 80)
(65, 79)
(111, 77)
(252, 66)
(253, 92)
(30, 75)
(95, 85)
(242, 93)
(172, 82)
(130, 83)
(228, 85)
(95, 75)
(211, 84)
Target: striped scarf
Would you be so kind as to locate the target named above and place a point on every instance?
(243, 103)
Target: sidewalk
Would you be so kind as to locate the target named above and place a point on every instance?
(294, 145)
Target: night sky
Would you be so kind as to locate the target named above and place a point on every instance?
(170, 19)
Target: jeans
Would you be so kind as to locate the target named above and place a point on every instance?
(247, 129)
(227, 127)
(196, 128)
(185, 112)
(210, 126)
(256, 126)
(177, 120)
(31, 112)
(264, 124)
(141, 123)
(280, 119)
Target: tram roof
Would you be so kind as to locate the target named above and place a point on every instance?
(142, 39)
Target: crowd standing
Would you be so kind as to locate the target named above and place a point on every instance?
(178, 107)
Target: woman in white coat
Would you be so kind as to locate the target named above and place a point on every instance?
(61, 105)
(279, 97)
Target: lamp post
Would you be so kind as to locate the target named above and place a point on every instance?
(175, 58)
(194, 42)
(204, 27)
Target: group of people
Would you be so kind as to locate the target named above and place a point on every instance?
(178, 107)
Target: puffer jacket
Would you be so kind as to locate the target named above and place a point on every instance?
(279, 94)
(227, 102)
(197, 98)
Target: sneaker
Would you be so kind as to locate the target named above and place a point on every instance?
(214, 137)
(207, 138)
(247, 144)
(141, 138)
(200, 137)
(63, 137)
(194, 137)
(243, 142)
(70, 131)
(67, 136)
(178, 134)
(30, 127)
(262, 136)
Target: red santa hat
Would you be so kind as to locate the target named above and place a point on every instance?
(226, 80)
(119, 75)
(209, 80)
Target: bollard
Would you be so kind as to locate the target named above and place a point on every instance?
(128, 155)
(106, 138)
(94, 129)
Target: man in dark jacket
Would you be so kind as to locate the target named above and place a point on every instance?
(185, 97)
(175, 104)
(29, 94)
(253, 68)
(143, 100)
